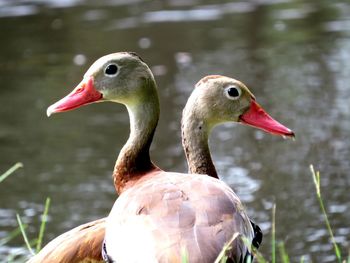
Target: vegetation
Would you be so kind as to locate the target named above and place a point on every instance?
(21, 229)
(10, 171)
(284, 258)
(38, 241)
(317, 180)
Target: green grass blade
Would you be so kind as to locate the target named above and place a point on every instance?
(273, 238)
(223, 259)
(222, 256)
(283, 253)
(10, 171)
(302, 259)
(43, 224)
(184, 255)
(11, 258)
(21, 226)
(11, 235)
(260, 258)
(316, 177)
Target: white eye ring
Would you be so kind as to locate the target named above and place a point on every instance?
(233, 92)
(111, 70)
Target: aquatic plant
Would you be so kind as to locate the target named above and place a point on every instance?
(21, 229)
(279, 246)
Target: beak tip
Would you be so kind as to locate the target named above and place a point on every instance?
(49, 111)
(292, 134)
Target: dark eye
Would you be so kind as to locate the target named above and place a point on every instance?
(111, 70)
(233, 93)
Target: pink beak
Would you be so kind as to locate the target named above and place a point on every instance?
(84, 93)
(258, 118)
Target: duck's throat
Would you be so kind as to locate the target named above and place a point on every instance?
(195, 143)
(134, 159)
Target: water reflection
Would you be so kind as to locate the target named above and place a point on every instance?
(294, 56)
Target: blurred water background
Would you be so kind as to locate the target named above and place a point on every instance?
(294, 56)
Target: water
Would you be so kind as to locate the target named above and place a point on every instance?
(294, 56)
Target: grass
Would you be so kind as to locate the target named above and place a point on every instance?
(43, 225)
(284, 257)
(273, 238)
(17, 231)
(317, 182)
(280, 246)
(39, 239)
(21, 229)
(11, 236)
(10, 171)
(26, 241)
(222, 258)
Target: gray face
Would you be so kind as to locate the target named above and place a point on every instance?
(120, 77)
(221, 99)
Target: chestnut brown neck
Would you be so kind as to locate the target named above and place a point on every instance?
(195, 144)
(134, 160)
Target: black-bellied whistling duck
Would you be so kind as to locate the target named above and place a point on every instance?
(215, 100)
(160, 215)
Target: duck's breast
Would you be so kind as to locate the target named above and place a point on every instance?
(170, 214)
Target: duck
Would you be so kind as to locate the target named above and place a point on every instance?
(159, 214)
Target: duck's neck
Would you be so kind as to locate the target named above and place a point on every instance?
(134, 159)
(195, 143)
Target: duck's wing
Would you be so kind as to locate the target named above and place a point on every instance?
(81, 244)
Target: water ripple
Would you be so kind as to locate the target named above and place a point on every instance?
(18, 10)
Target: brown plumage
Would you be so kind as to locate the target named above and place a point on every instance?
(81, 244)
(164, 214)
(161, 215)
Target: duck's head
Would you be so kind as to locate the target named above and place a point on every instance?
(120, 77)
(218, 99)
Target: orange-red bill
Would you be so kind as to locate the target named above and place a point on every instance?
(258, 118)
(83, 94)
